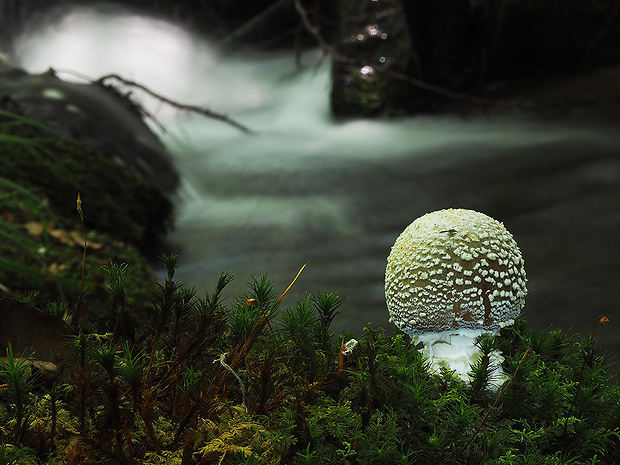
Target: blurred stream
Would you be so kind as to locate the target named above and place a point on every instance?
(337, 194)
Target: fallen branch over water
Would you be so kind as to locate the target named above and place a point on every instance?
(181, 106)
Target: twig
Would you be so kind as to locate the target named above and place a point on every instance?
(253, 24)
(78, 306)
(79, 209)
(181, 106)
(292, 282)
(294, 382)
(258, 328)
(244, 390)
(314, 31)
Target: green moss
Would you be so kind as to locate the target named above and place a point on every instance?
(43, 252)
(198, 384)
(115, 200)
(190, 379)
(366, 88)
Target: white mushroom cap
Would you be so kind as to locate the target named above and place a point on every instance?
(454, 269)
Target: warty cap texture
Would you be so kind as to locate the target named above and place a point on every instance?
(453, 269)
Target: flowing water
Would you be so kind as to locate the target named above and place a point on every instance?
(305, 188)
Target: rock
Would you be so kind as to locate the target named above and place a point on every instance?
(35, 334)
(96, 144)
(94, 114)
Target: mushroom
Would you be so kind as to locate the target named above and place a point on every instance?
(451, 276)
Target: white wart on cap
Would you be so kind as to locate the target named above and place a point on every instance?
(454, 272)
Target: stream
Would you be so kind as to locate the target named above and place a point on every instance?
(305, 188)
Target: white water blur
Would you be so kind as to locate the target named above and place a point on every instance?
(303, 187)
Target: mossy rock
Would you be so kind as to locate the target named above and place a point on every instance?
(114, 200)
(42, 257)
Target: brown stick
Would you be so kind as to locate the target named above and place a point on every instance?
(181, 106)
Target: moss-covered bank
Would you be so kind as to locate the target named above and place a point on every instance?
(260, 380)
(42, 233)
(117, 201)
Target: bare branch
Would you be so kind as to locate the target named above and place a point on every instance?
(253, 24)
(193, 108)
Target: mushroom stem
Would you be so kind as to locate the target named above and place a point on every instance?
(457, 351)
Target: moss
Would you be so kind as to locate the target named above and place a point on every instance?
(279, 393)
(163, 375)
(362, 95)
(116, 201)
(41, 255)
